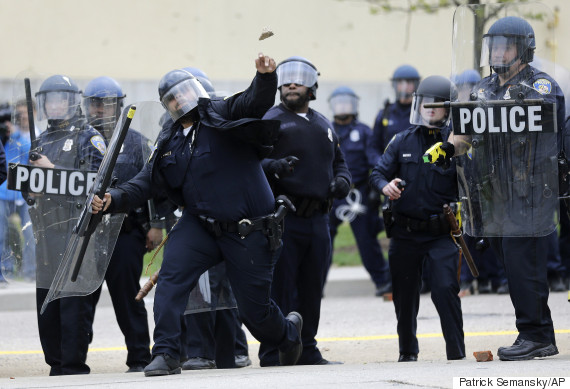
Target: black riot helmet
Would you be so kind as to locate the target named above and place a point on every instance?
(300, 71)
(59, 98)
(432, 89)
(507, 32)
(203, 79)
(179, 92)
(103, 100)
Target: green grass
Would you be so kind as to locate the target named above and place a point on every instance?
(345, 251)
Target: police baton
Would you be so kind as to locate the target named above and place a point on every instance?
(458, 236)
(147, 287)
(34, 156)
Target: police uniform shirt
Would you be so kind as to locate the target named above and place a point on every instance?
(354, 138)
(131, 160)
(428, 186)
(211, 171)
(73, 147)
(314, 142)
(397, 120)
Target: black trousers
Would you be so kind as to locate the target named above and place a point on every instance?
(65, 330)
(190, 251)
(123, 280)
(406, 255)
(525, 265)
(299, 279)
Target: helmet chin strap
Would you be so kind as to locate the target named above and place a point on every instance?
(502, 69)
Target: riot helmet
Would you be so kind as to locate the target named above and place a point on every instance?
(343, 102)
(59, 98)
(465, 82)
(103, 101)
(504, 36)
(179, 92)
(405, 81)
(203, 79)
(300, 71)
(432, 89)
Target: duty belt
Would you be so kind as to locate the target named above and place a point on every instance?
(244, 227)
(435, 225)
(271, 226)
(307, 207)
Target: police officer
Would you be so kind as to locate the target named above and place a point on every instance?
(213, 339)
(319, 175)
(207, 159)
(354, 136)
(510, 44)
(103, 101)
(395, 117)
(419, 228)
(66, 326)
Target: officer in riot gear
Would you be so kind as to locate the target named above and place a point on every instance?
(319, 175)
(518, 168)
(395, 117)
(68, 143)
(419, 227)
(207, 160)
(354, 137)
(103, 102)
(213, 339)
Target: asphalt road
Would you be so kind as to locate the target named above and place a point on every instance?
(356, 328)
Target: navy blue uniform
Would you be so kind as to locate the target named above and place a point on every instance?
(66, 325)
(392, 119)
(214, 172)
(525, 258)
(125, 266)
(301, 270)
(419, 231)
(354, 138)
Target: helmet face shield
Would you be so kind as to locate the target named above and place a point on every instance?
(429, 117)
(499, 50)
(103, 112)
(344, 105)
(58, 105)
(405, 88)
(298, 73)
(183, 97)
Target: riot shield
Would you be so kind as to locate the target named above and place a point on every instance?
(507, 176)
(92, 239)
(17, 243)
(213, 292)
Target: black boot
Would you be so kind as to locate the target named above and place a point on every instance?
(162, 364)
(523, 350)
(291, 356)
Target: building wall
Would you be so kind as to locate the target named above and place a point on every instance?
(137, 41)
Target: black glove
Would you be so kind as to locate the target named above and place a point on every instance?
(339, 187)
(284, 200)
(449, 150)
(283, 166)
